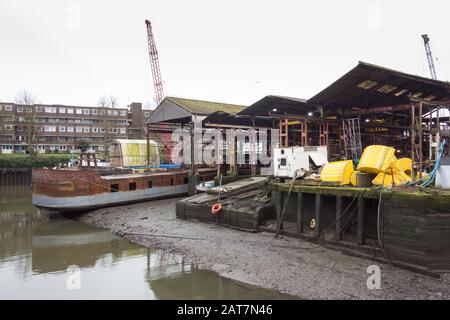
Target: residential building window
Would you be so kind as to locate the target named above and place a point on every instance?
(62, 110)
(94, 111)
(86, 129)
(21, 119)
(38, 109)
(79, 129)
(19, 109)
(62, 129)
(146, 114)
(29, 109)
(69, 110)
(95, 130)
(8, 127)
(19, 129)
(102, 112)
(62, 148)
(102, 130)
(50, 109)
(50, 128)
(69, 129)
(122, 130)
(8, 108)
(79, 111)
(86, 111)
(123, 113)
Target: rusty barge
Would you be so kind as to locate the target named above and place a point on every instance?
(70, 189)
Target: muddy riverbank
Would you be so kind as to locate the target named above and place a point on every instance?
(288, 265)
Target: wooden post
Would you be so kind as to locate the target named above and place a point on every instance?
(338, 231)
(253, 144)
(317, 213)
(420, 140)
(192, 172)
(299, 213)
(148, 148)
(278, 208)
(413, 143)
(360, 225)
(232, 145)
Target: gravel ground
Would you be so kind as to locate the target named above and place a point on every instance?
(304, 269)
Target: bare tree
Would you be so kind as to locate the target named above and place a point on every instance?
(105, 104)
(113, 102)
(26, 99)
(2, 125)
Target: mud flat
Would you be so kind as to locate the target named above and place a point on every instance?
(289, 265)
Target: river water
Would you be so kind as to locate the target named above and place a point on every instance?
(47, 256)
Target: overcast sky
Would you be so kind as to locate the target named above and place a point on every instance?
(72, 52)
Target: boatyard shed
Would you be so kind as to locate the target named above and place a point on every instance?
(182, 111)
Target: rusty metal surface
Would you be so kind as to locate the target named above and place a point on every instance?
(345, 93)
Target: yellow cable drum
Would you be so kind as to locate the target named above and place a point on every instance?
(376, 159)
(337, 172)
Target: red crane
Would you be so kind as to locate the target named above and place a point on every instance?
(154, 62)
(159, 90)
(426, 42)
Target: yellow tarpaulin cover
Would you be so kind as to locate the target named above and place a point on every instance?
(403, 165)
(376, 159)
(338, 172)
(133, 153)
(398, 173)
(353, 178)
(396, 179)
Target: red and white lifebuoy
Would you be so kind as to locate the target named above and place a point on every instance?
(216, 208)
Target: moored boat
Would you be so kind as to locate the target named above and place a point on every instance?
(73, 189)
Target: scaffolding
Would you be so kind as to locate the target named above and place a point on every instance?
(352, 138)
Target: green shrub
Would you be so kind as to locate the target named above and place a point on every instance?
(22, 161)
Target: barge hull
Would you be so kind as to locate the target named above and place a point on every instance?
(83, 203)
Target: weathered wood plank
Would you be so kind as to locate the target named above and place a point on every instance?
(299, 213)
(317, 213)
(338, 226)
(360, 220)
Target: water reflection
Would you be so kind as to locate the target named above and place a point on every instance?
(36, 248)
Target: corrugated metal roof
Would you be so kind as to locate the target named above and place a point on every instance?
(180, 110)
(368, 85)
(277, 105)
(228, 120)
(206, 107)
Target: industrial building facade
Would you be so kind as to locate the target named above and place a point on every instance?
(59, 128)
